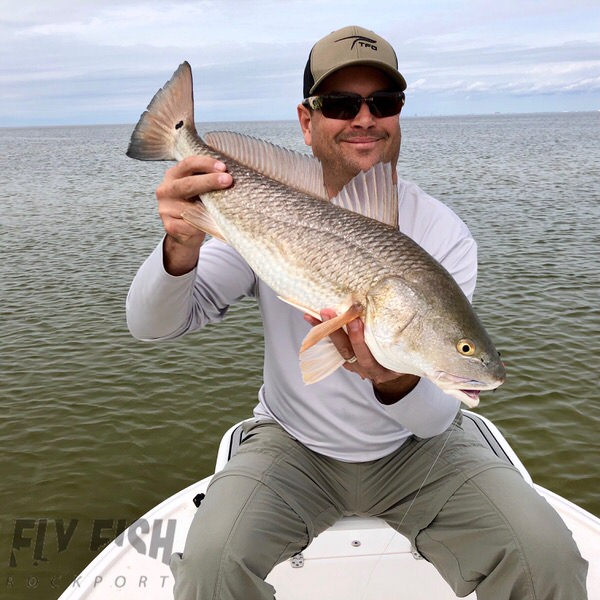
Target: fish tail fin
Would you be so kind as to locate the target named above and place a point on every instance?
(169, 116)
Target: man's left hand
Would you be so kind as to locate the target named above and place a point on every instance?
(389, 385)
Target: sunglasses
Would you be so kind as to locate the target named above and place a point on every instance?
(347, 106)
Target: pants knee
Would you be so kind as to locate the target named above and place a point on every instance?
(213, 569)
(552, 554)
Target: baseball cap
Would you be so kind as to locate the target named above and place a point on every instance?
(347, 47)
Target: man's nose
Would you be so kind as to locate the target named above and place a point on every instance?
(364, 117)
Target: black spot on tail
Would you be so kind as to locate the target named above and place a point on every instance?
(179, 125)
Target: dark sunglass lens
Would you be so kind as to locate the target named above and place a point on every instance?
(386, 105)
(347, 106)
(340, 107)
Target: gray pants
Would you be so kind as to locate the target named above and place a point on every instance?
(475, 518)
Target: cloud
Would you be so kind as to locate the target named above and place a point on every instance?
(101, 60)
(565, 68)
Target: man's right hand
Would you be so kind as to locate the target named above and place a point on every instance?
(182, 184)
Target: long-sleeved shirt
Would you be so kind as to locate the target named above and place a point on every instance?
(339, 416)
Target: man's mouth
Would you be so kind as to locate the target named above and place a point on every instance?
(361, 139)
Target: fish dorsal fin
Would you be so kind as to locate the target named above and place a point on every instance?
(373, 194)
(300, 171)
(197, 216)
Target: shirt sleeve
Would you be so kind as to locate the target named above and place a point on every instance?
(161, 306)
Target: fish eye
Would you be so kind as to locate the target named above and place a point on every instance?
(465, 347)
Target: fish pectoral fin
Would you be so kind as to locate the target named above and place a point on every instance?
(372, 194)
(197, 216)
(305, 309)
(326, 328)
(319, 361)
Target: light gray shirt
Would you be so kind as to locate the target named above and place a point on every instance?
(340, 415)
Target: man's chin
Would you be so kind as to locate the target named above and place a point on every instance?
(361, 157)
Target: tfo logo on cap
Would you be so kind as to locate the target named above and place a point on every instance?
(361, 40)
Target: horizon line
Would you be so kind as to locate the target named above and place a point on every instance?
(405, 117)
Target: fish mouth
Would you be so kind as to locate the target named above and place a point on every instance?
(468, 397)
(463, 389)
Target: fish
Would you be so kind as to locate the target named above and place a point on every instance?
(345, 253)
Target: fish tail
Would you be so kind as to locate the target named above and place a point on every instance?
(168, 119)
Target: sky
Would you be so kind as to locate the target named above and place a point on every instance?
(101, 61)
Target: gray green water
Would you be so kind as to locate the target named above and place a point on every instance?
(96, 428)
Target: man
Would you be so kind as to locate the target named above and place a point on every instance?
(364, 440)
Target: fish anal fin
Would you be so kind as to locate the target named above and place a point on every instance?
(197, 216)
(326, 328)
(319, 361)
(372, 194)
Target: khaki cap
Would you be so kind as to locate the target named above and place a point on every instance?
(347, 47)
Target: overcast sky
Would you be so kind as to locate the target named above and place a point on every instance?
(100, 61)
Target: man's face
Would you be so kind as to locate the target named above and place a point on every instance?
(346, 147)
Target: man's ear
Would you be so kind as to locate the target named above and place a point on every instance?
(305, 120)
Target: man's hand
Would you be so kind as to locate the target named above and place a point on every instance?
(182, 184)
(389, 385)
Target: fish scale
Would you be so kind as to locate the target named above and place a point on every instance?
(348, 261)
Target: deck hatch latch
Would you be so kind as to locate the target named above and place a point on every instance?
(297, 561)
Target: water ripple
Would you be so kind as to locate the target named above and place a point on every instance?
(97, 425)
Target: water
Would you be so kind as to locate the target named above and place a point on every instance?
(96, 428)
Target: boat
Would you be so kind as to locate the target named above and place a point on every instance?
(356, 559)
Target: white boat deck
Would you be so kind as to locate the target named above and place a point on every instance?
(356, 559)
